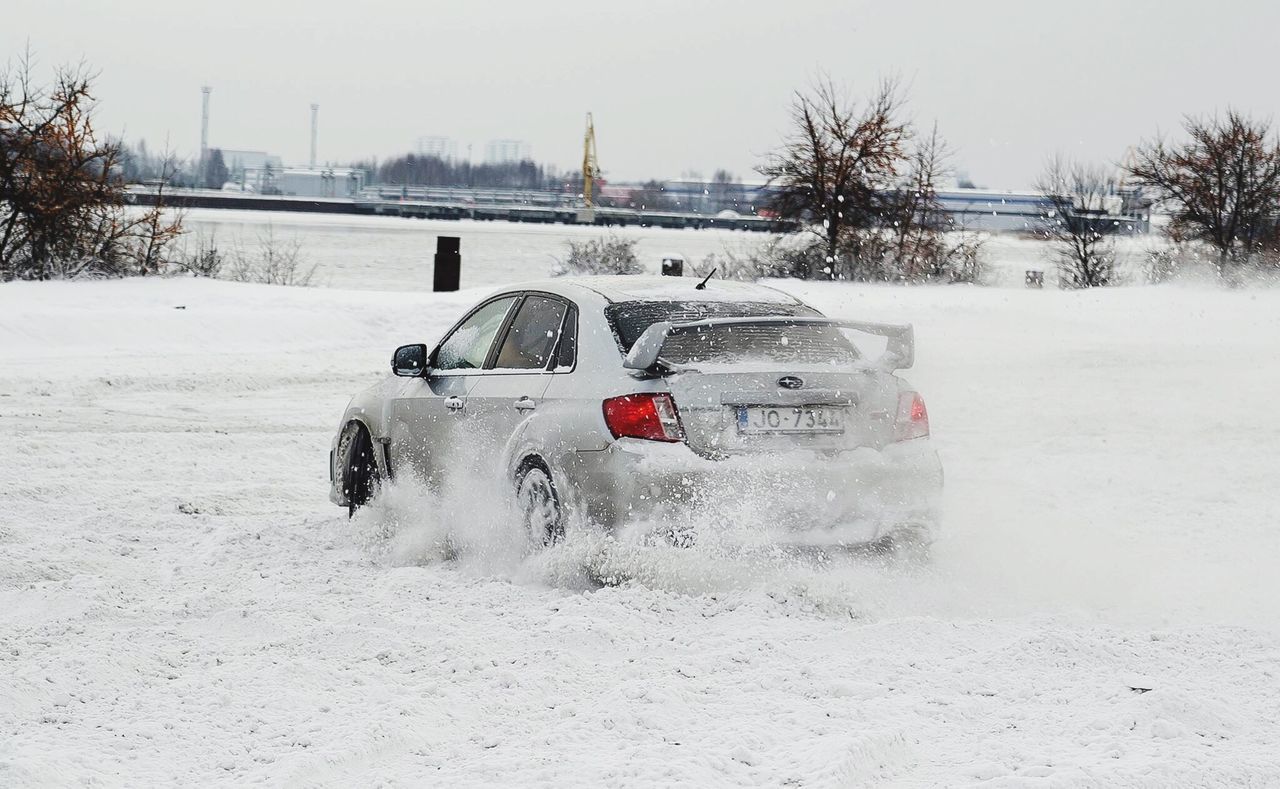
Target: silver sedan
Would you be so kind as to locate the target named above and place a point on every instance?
(602, 401)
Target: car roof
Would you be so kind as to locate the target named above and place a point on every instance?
(651, 288)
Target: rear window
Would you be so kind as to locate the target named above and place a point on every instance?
(727, 344)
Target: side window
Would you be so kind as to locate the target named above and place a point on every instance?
(532, 335)
(468, 345)
(567, 351)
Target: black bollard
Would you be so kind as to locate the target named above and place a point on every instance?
(448, 263)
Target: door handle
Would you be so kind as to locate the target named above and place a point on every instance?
(453, 403)
(525, 404)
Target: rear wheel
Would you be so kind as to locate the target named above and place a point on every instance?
(911, 543)
(359, 469)
(539, 506)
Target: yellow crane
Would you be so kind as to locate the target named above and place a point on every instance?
(590, 172)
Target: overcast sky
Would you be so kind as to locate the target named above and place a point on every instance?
(675, 86)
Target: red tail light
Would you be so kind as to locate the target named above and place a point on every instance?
(649, 416)
(913, 417)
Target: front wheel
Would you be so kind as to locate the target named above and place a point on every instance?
(539, 506)
(359, 468)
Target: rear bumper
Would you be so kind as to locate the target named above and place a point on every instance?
(803, 498)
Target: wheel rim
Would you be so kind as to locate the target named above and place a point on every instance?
(539, 509)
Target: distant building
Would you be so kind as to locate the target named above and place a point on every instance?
(503, 151)
(302, 181)
(1126, 211)
(242, 160)
(983, 209)
(439, 147)
(321, 182)
(989, 209)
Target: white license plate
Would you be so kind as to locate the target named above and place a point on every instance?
(791, 419)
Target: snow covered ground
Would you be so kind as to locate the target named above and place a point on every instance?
(392, 253)
(397, 251)
(180, 604)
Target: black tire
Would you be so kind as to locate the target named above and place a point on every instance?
(538, 503)
(359, 469)
(911, 544)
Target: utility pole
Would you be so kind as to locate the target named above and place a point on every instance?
(315, 112)
(204, 128)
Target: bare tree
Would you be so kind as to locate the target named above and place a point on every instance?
(154, 229)
(1076, 223)
(932, 247)
(418, 170)
(62, 200)
(916, 217)
(838, 161)
(912, 238)
(139, 165)
(215, 170)
(1223, 185)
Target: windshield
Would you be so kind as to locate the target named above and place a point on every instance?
(797, 344)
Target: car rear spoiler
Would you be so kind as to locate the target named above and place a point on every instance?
(899, 354)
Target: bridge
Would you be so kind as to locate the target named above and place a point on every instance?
(969, 209)
(452, 204)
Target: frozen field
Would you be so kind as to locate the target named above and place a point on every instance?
(180, 604)
(398, 252)
(391, 253)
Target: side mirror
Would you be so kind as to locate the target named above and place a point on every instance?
(410, 361)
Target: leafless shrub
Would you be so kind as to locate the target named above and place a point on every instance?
(954, 257)
(936, 256)
(272, 262)
(959, 258)
(607, 255)
(1163, 264)
(63, 206)
(726, 265)
(778, 257)
(205, 260)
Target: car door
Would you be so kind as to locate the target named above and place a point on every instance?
(429, 415)
(510, 394)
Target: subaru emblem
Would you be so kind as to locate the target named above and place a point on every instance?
(790, 382)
